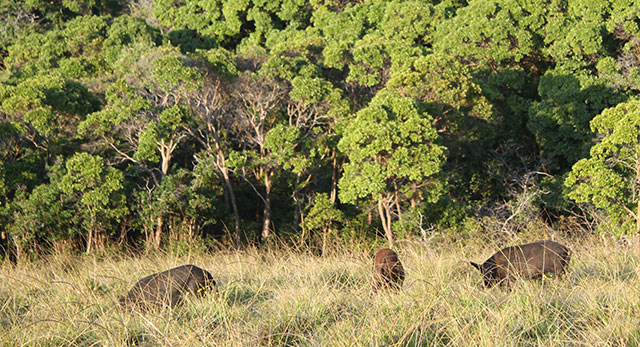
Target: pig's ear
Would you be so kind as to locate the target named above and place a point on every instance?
(477, 266)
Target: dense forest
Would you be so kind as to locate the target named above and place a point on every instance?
(148, 123)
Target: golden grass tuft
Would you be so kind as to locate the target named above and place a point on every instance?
(286, 298)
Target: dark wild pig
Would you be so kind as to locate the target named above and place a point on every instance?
(169, 287)
(387, 270)
(528, 261)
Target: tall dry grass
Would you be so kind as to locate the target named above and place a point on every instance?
(287, 298)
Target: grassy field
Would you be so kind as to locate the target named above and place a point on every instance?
(287, 298)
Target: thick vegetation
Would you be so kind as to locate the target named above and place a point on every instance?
(159, 122)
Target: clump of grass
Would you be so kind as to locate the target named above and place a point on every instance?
(287, 298)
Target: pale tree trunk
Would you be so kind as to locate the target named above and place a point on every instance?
(385, 218)
(334, 179)
(413, 201)
(304, 230)
(165, 164)
(637, 197)
(297, 199)
(166, 157)
(90, 235)
(89, 241)
(325, 231)
(266, 216)
(389, 231)
(18, 249)
(397, 202)
(158, 233)
(166, 150)
(234, 205)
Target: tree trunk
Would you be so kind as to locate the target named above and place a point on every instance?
(325, 231)
(158, 233)
(389, 231)
(297, 215)
(386, 221)
(234, 206)
(165, 154)
(17, 257)
(89, 241)
(266, 216)
(395, 186)
(334, 179)
(637, 197)
(304, 230)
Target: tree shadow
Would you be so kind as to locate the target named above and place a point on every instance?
(189, 40)
(560, 119)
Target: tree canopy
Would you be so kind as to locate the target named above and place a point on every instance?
(156, 121)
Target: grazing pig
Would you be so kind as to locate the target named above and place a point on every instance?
(168, 287)
(387, 270)
(528, 261)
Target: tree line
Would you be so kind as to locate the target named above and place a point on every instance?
(154, 121)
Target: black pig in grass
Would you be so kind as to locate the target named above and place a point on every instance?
(168, 288)
(387, 270)
(528, 261)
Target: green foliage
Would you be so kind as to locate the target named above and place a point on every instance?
(281, 141)
(123, 104)
(41, 217)
(76, 49)
(229, 22)
(390, 141)
(560, 120)
(322, 215)
(132, 33)
(433, 110)
(491, 33)
(221, 60)
(446, 84)
(169, 73)
(96, 189)
(185, 204)
(608, 178)
(46, 109)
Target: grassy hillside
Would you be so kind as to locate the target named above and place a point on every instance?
(284, 298)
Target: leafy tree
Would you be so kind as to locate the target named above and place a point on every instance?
(74, 50)
(211, 128)
(229, 22)
(560, 121)
(183, 201)
(315, 106)
(97, 191)
(259, 103)
(303, 147)
(128, 40)
(323, 216)
(390, 144)
(145, 123)
(46, 111)
(17, 19)
(492, 34)
(610, 177)
(83, 197)
(40, 217)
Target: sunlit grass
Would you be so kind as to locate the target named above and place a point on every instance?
(284, 298)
